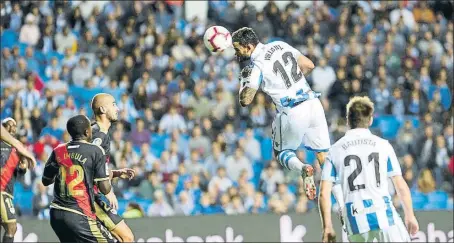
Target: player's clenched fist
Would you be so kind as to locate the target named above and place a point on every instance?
(412, 224)
(329, 235)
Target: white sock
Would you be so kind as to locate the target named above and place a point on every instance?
(295, 164)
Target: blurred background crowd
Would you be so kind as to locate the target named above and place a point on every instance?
(194, 149)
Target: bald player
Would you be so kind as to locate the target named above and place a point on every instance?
(105, 112)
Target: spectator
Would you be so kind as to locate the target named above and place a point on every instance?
(182, 51)
(236, 163)
(220, 181)
(216, 160)
(133, 211)
(59, 88)
(55, 67)
(160, 207)
(193, 164)
(426, 182)
(140, 134)
(149, 186)
(81, 72)
(29, 33)
(185, 205)
(199, 142)
(236, 207)
(29, 96)
(47, 43)
(65, 40)
(172, 121)
(252, 146)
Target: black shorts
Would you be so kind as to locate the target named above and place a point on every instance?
(105, 213)
(73, 227)
(7, 211)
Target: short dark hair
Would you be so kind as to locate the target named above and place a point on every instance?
(359, 112)
(245, 36)
(77, 126)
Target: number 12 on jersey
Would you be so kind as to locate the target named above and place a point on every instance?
(295, 73)
(359, 167)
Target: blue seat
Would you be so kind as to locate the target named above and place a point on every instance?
(143, 202)
(438, 199)
(122, 205)
(24, 200)
(414, 120)
(389, 126)
(419, 200)
(257, 167)
(22, 47)
(292, 188)
(52, 54)
(8, 39)
(266, 146)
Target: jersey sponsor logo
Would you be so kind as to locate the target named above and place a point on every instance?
(97, 141)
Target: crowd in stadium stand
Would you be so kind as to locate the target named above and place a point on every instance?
(194, 149)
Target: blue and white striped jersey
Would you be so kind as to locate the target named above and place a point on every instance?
(362, 163)
(274, 69)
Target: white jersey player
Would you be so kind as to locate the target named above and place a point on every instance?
(279, 70)
(361, 163)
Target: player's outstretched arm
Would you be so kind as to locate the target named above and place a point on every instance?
(324, 205)
(306, 65)
(405, 196)
(8, 138)
(251, 76)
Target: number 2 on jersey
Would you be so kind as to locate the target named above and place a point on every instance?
(68, 189)
(359, 167)
(278, 68)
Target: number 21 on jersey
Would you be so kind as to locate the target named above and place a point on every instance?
(355, 161)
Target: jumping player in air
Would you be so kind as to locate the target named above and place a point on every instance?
(12, 165)
(361, 163)
(279, 70)
(75, 168)
(105, 111)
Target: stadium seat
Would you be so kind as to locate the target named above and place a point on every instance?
(437, 200)
(414, 120)
(22, 47)
(257, 168)
(389, 126)
(267, 149)
(122, 204)
(9, 39)
(419, 200)
(24, 201)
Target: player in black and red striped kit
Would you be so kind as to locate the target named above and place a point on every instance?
(11, 166)
(105, 112)
(75, 168)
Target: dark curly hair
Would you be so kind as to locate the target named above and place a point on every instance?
(245, 36)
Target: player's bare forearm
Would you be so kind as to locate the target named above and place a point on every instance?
(104, 186)
(324, 204)
(247, 95)
(306, 65)
(404, 194)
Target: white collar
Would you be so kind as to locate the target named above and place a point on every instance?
(258, 49)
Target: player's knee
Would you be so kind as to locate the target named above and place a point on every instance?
(11, 229)
(284, 156)
(321, 157)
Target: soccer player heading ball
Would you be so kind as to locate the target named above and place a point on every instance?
(279, 70)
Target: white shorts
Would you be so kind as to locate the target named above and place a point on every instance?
(395, 233)
(305, 123)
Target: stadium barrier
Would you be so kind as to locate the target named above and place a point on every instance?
(435, 227)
